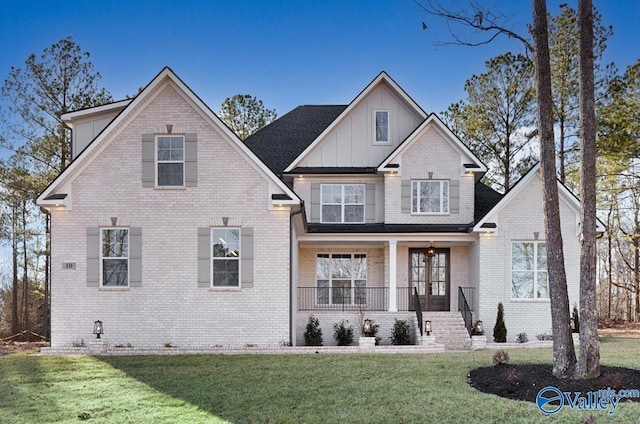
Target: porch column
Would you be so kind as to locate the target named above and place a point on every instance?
(393, 301)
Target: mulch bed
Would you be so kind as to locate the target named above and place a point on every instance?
(524, 381)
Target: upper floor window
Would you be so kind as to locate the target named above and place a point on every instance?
(430, 197)
(170, 161)
(225, 256)
(382, 126)
(114, 257)
(529, 276)
(342, 203)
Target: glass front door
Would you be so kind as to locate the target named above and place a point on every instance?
(430, 276)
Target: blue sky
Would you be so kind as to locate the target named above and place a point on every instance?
(286, 53)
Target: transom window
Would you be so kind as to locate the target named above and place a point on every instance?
(430, 197)
(225, 255)
(114, 257)
(382, 126)
(170, 161)
(529, 276)
(343, 203)
(341, 278)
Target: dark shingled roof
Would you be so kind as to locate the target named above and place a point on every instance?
(280, 142)
(485, 199)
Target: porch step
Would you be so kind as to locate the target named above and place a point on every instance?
(449, 330)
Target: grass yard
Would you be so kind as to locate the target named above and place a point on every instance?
(328, 388)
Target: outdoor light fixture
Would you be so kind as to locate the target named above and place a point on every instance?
(431, 251)
(97, 328)
(478, 328)
(427, 327)
(366, 328)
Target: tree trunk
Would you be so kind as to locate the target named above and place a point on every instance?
(589, 359)
(25, 275)
(564, 358)
(14, 256)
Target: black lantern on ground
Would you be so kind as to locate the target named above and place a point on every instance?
(427, 327)
(478, 329)
(366, 328)
(97, 328)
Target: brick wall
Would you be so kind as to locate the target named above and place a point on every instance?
(169, 307)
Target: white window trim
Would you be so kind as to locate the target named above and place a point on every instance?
(330, 279)
(157, 161)
(375, 133)
(535, 271)
(102, 258)
(343, 204)
(442, 182)
(212, 259)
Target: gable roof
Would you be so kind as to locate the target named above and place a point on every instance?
(52, 195)
(280, 142)
(383, 77)
(475, 164)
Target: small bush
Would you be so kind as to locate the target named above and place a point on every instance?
(400, 333)
(342, 333)
(544, 337)
(500, 329)
(613, 379)
(576, 320)
(313, 335)
(501, 357)
(522, 338)
(512, 375)
(78, 343)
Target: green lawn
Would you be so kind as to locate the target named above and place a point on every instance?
(276, 388)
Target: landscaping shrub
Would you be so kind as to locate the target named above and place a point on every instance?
(342, 333)
(544, 337)
(501, 357)
(400, 333)
(522, 338)
(500, 330)
(576, 320)
(313, 335)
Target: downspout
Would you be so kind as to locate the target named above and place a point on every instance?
(291, 324)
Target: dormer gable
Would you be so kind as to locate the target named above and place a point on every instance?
(366, 131)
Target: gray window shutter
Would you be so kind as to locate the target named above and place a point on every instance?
(246, 257)
(135, 257)
(315, 202)
(370, 205)
(454, 197)
(190, 160)
(148, 160)
(93, 257)
(405, 196)
(204, 257)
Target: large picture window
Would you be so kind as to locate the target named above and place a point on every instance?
(114, 257)
(341, 279)
(430, 197)
(529, 276)
(170, 161)
(343, 203)
(225, 257)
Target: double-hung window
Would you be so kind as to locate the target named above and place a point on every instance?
(170, 160)
(529, 276)
(343, 203)
(225, 257)
(114, 257)
(341, 278)
(430, 197)
(381, 126)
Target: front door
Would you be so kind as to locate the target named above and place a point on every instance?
(429, 274)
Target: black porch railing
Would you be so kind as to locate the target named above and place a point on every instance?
(418, 308)
(343, 298)
(463, 307)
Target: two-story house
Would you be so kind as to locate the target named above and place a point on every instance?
(169, 229)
